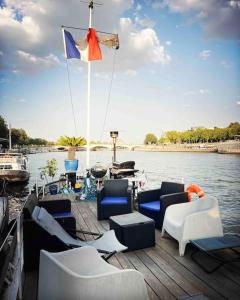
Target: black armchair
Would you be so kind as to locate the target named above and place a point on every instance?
(113, 199)
(153, 203)
(60, 209)
(35, 238)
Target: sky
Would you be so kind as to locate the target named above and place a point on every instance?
(178, 66)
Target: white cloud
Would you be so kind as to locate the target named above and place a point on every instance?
(101, 75)
(197, 92)
(156, 4)
(219, 18)
(138, 7)
(21, 100)
(16, 71)
(203, 92)
(190, 93)
(36, 33)
(131, 73)
(226, 64)
(31, 63)
(144, 22)
(140, 47)
(205, 54)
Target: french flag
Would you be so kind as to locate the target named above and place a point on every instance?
(86, 50)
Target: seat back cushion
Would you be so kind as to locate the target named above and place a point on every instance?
(171, 188)
(43, 218)
(47, 222)
(116, 187)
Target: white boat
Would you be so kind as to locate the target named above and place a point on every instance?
(14, 167)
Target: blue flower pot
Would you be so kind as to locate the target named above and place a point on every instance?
(53, 189)
(71, 165)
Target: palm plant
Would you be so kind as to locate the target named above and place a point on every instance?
(72, 143)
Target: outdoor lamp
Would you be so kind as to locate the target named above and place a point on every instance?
(114, 135)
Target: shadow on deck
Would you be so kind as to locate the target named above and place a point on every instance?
(168, 276)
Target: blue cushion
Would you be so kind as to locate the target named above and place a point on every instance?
(63, 215)
(114, 200)
(153, 206)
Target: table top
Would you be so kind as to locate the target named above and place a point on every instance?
(217, 243)
(130, 219)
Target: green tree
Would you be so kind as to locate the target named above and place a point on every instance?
(37, 141)
(185, 136)
(163, 140)
(173, 136)
(3, 128)
(19, 137)
(233, 129)
(151, 139)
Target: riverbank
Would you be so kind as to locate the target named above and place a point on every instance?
(230, 147)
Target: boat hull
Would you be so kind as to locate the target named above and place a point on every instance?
(14, 175)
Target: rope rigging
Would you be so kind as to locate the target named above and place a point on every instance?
(109, 94)
(70, 92)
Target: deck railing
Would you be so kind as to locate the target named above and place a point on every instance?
(11, 260)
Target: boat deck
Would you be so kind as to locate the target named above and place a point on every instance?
(168, 276)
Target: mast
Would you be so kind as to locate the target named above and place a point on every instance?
(89, 93)
(10, 137)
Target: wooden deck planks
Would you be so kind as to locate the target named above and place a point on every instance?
(217, 281)
(168, 276)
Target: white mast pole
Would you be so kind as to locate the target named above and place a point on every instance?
(88, 97)
(10, 137)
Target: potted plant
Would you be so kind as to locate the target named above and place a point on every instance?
(71, 163)
(50, 170)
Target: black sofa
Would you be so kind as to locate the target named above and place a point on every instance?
(153, 203)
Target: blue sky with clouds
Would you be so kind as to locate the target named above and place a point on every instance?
(178, 66)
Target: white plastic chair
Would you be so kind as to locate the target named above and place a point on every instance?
(193, 220)
(81, 273)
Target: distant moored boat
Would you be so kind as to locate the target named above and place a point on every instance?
(14, 167)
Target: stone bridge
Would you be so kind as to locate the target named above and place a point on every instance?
(95, 147)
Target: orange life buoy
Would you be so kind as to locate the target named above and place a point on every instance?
(194, 188)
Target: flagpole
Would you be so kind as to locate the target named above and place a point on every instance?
(89, 93)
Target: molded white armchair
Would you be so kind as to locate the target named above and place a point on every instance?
(193, 220)
(82, 274)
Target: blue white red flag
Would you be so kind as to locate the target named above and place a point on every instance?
(86, 49)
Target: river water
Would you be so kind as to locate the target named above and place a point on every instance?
(217, 174)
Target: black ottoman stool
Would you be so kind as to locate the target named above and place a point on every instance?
(134, 230)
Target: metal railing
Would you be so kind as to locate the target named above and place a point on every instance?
(11, 256)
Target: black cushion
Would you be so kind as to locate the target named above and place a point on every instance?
(171, 188)
(116, 187)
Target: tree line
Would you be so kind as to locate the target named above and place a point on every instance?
(198, 135)
(19, 136)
